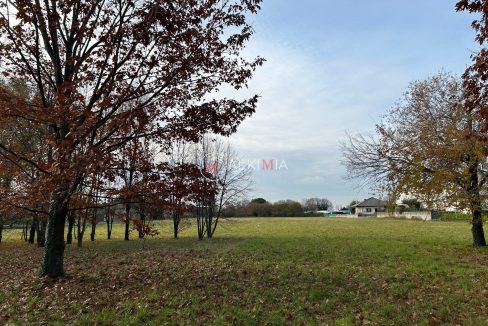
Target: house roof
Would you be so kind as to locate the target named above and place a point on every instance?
(372, 202)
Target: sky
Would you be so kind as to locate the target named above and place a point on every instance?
(335, 67)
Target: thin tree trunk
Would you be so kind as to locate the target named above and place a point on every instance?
(78, 232)
(176, 224)
(127, 206)
(25, 228)
(71, 223)
(33, 229)
(143, 223)
(53, 262)
(477, 221)
(201, 217)
(127, 222)
(81, 231)
(95, 213)
(41, 234)
(110, 221)
(209, 220)
(1, 232)
(92, 234)
(109, 229)
(176, 216)
(475, 203)
(215, 225)
(219, 211)
(127, 231)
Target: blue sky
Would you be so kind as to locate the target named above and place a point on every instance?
(335, 67)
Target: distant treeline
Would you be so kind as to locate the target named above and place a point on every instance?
(260, 207)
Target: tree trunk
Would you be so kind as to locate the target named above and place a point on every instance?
(209, 218)
(474, 192)
(71, 223)
(109, 220)
(1, 232)
(209, 226)
(215, 225)
(53, 263)
(127, 230)
(201, 216)
(41, 234)
(219, 212)
(92, 234)
(127, 222)
(33, 229)
(477, 229)
(176, 225)
(143, 223)
(109, 230)
(81, 231)
(25, 228)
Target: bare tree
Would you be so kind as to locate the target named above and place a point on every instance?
(317, 204)
(220, 164)
(177, 154)
(233, 180)
(428, 146)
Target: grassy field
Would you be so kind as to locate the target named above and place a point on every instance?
(258, 271)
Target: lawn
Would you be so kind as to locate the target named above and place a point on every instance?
(258, 271)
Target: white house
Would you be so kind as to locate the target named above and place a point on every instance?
(370, 206)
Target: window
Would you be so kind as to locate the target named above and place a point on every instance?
(368, 210)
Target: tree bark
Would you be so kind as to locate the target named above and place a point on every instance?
(95, 214)
(477, 221)
(93, 229)
(109, 220)
(71, 223)
(176, 224)
(53, 262)
(201, 217)
(33, 229)
(477, 229)
(25, 228)
(81, 231)
(127, 230)
(475, 203)
(109, 230)
(215, 225)
(41, 234)
(219, 211)
(209, 221)
(143, 223)
(210, 218)
(127, 222)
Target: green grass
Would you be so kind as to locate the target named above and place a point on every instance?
(258, 271)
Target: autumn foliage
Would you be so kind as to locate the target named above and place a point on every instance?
(476, 76)
(103, 82)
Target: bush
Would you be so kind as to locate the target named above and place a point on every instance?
(456, 216)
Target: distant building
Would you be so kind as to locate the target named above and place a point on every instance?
(370, 206)
(324, 213)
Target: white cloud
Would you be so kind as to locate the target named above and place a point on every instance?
(307, 103)
(325, 76)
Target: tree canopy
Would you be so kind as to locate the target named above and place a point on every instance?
(103, 74)
(427, 146)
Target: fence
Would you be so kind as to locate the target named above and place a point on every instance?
(422, 215)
